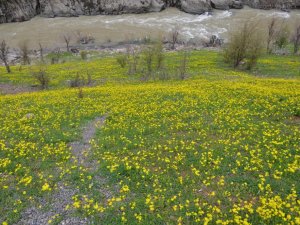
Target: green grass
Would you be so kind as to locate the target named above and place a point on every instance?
(104, 69)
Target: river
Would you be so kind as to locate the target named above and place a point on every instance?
(49, 31)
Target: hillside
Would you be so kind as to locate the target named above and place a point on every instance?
(220, 147)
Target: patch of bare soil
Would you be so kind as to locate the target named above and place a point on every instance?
(16, 89)
(296, 119)
(55, 206)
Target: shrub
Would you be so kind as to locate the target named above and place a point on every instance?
(42, 78)
(122, 60)
(89, 78)
(244, 44)
(159, 54)
(78, 81)
(174, 37)
(282, 36)
(83, 55)
(148, 56)
(80, 92)
(55, 56)
(133, 56)
(296, 39)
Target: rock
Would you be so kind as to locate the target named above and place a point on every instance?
(17, 10)
(74, 50)
(22, 10)
(285, 5)
(221, 4)
(237, 4)
(214, 41)
(29, 116)
(195, 6)
(80, 7)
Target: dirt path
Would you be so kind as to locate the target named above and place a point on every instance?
(81, 149)
(54, 206)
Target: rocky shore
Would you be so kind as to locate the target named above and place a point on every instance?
(23, 10)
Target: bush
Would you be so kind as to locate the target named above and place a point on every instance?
(78, 81)
(159, 55)
(122, 60)
(42, 78)
(174, 37)
(148, 58)
(296, 39)
(133, 56)
(83, 55)
(282, 38)
(55, 56)
(245, 44)
(80, 92)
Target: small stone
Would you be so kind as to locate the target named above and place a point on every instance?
(29, 116)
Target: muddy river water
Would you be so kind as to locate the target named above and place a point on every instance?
(49, 31)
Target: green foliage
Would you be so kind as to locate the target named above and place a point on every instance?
(282, 37)
(122, 60)
(83, 55)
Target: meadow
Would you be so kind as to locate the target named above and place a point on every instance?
(220, 147)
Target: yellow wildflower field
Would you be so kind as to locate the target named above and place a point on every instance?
(198, 151)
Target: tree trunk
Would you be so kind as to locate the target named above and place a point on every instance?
(7, 67)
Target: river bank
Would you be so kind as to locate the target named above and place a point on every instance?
(106, 28)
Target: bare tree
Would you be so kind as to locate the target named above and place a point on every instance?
(183, 65)
(133, 56)
(245, 44)
(67, 38)
(41, 76)
(282, 35)
(174, 37)
(296, 39)
(4, 50)
(271, 35)
(149, 54)
(159, 54)
(24, 50)
(41, 52)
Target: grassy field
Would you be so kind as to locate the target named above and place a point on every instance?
(221, 147)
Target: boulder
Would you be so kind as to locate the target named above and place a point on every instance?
(271, 4)
(195, 6)
(22, 10)
(54, 8)
(221, 4)
(237, 4)
(17, 10)
(61, 8)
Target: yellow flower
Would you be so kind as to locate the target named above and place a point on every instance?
(46, 187)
